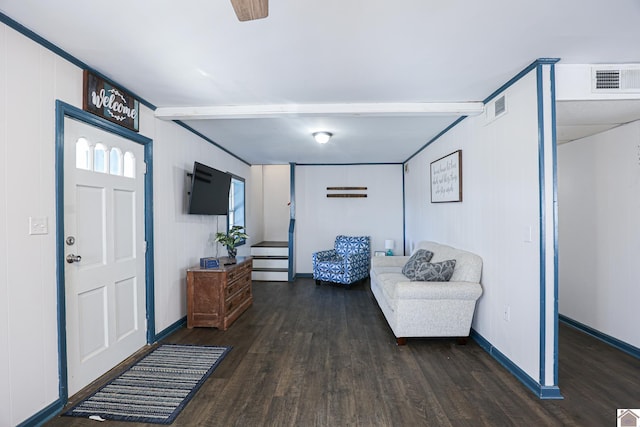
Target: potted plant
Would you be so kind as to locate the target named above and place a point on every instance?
(231, 239)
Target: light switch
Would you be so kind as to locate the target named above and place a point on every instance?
(38, 225)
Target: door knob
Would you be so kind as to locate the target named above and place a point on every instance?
(71, 258)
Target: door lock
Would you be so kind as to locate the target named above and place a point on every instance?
(71, 258)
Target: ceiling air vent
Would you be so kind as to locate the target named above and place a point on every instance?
(607, 79)
(500, 106)
(496, 108)
(616, 79)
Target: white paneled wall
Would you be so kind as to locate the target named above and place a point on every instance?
(255, 195)
(599, 231)
(500, 210)
(31, 79)
(182, 239)
(320, 218)
(276, 184)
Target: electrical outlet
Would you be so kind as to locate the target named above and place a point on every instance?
(506, 315)
(38, 225)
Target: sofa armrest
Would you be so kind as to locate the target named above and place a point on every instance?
(438, 290)
(388, 261)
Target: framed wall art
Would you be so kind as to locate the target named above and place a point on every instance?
(446, 178)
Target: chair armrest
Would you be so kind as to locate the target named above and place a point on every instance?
(329, 254)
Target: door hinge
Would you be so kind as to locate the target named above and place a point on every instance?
(144, 168)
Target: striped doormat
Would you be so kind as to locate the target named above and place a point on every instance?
(156, 388)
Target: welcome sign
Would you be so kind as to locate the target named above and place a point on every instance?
(110, 102)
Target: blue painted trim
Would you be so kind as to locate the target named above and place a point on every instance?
(550, 392)
(305, 275)
(60, 288)
(175, 326)
(549, 61)
(525, 71)
(291, 273)
(67, 110)
(432, 140)
(404, 213)
(209, 140)
(43, 415)
(608, 339)
(542, 223)
(543, 392)
(545, 221)
(292, 219)
(292, 190)
(56, 50)
(149, 255)
(554, 146)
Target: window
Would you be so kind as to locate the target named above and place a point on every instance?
(115, 161)
(129, 165)
(83, 154)
(236, 203)
(98, 158)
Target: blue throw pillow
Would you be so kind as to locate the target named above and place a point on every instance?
(421, 256)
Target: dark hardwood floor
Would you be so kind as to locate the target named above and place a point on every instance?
(307, 355)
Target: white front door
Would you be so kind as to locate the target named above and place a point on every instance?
(104, 250)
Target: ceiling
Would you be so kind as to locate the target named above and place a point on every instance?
(578, 119)
(383, 76)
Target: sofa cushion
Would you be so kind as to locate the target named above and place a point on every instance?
(415, 262)
(388, 283)
(435, 272)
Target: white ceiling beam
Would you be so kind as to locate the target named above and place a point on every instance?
(296, 110)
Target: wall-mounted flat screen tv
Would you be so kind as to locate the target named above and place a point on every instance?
(209, 191)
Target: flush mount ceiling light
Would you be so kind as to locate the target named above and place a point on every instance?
(322, 137)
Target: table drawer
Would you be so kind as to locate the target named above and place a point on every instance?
(238, 300)
(239, 272)
(235, 287)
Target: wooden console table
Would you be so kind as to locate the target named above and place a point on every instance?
(216, 297)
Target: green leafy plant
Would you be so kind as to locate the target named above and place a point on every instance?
(231, 239)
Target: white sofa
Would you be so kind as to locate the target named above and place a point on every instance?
(428, 309)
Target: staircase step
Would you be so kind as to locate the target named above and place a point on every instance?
(271, 244)
(270, 274)
(270, 257)
(269, 251)
(260, 263)
(270, 261)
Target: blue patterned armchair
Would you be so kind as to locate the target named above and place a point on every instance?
(348, 262)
